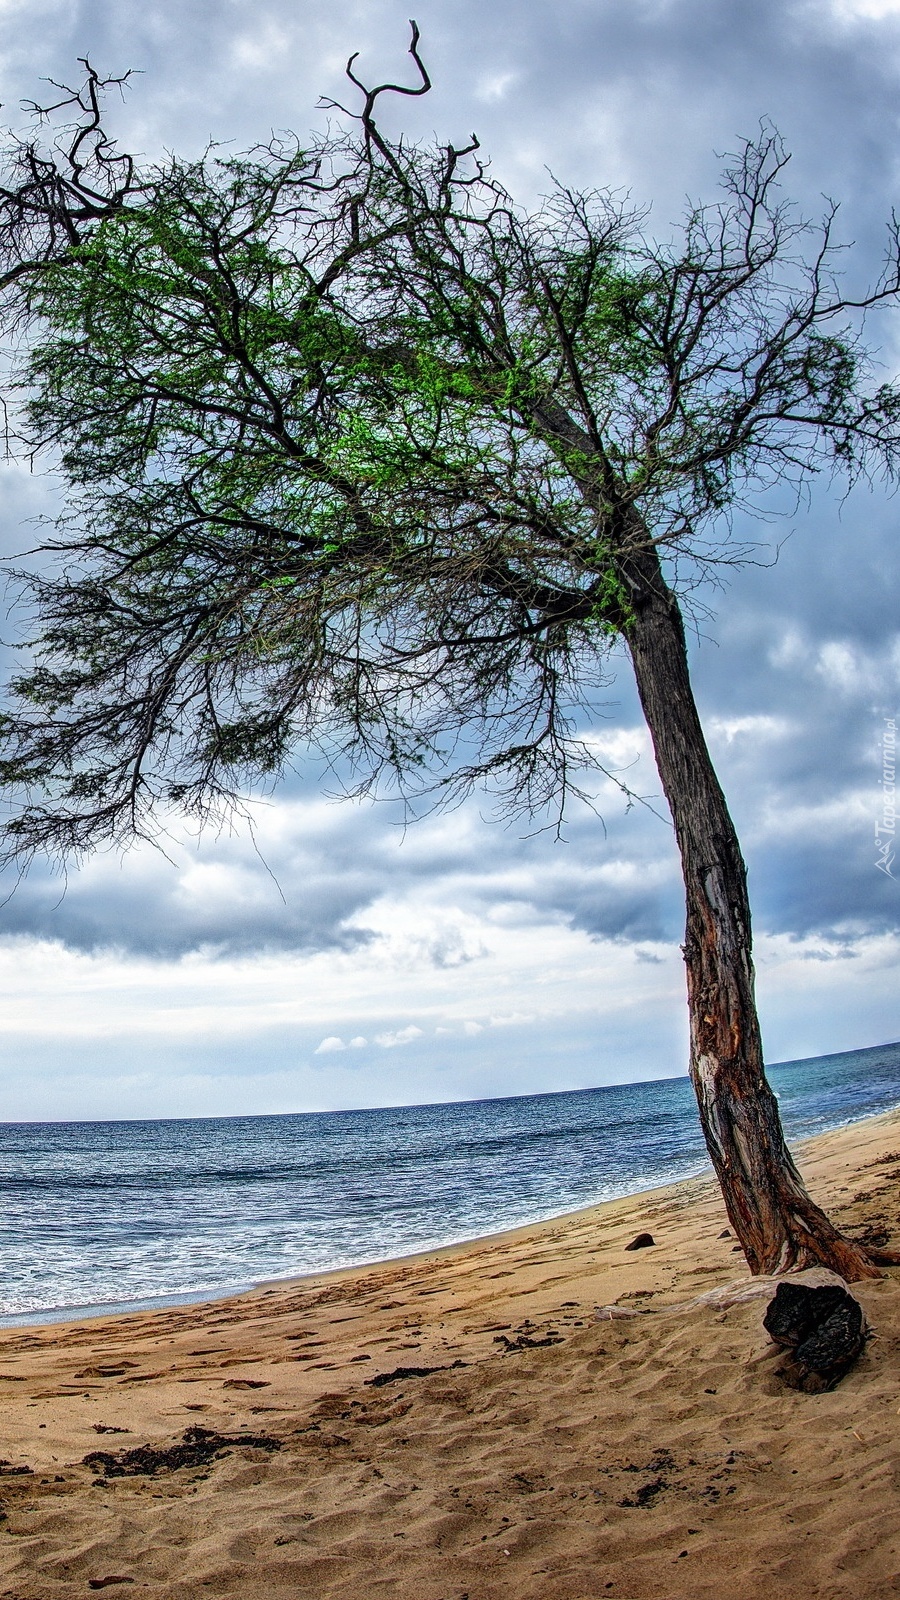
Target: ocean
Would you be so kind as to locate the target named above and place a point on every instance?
(120, 1215)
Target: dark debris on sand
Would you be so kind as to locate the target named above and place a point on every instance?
(399, 1373)
(198, 1447)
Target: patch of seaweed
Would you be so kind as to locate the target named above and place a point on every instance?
(399, 1373)
(197, 1447)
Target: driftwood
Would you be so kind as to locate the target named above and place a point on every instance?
(810, 1314)
(736, 1293)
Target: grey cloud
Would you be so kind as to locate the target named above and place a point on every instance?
(607, 92)
(309, 887)
(821, 660)
(150, 917)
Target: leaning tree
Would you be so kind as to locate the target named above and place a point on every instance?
(359, 454)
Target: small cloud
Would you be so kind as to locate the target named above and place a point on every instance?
(866, 8)
(329, 1045)
(400, 1036)
(841, 665)
(359, 1043)
(754, 728)
(259, 50)
(493, 85)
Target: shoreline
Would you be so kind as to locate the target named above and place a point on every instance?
(151, 1303)
(442, 1184)
(64, 1315)
(460, 1422)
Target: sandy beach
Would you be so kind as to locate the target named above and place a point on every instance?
(549, 1454)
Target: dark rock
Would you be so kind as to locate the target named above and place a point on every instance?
(823, 1328)
(643, 1241)
(823, 1359)
(725, 1234)
(797, 1310)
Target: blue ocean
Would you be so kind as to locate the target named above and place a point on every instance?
(124, 1214)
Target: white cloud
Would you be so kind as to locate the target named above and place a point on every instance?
(843, 667)
(50, 993)
(334, 1044)
(874, 9)
(756, 729)
(860, 666)
(398, 1036)
(261, 49)
(790, 651)
(494, 85)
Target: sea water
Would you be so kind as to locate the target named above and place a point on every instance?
(121, 1214)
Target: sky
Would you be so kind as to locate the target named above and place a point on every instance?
(325, 956)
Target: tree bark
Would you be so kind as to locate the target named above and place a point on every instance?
(777, 1223)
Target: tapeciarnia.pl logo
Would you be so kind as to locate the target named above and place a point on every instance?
(885, 830)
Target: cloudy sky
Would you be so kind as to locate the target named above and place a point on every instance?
(328, 958)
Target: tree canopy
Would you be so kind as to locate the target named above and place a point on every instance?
(355, 451)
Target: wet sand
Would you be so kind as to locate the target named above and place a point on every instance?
(548, 1455)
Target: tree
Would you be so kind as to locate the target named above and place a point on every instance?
(359, 454)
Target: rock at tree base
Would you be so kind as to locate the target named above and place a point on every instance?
(797, 1310)
(823, 1327)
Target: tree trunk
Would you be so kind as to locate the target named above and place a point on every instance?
(779, 1226)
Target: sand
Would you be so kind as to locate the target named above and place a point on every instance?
(552, 1455)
